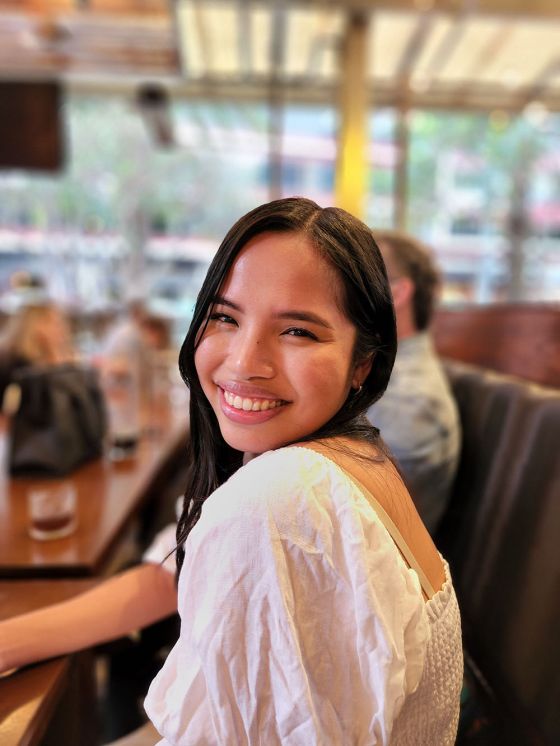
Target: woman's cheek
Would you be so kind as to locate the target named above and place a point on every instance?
(332, 375)
(202, 357)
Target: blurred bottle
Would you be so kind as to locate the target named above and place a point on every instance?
(121, 384)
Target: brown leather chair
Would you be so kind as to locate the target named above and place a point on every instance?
(501, 535)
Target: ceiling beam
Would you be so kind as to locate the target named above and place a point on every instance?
(488, 54)
(535, 9)
(130, 7)
(538, 88)
(451, 39)
(414, 47)
(520, 8)
(480, 98)
(154, 8)
(37, 6)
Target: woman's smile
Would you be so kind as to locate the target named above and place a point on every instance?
(248, 411)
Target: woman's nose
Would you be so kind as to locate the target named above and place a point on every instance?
(251, 356)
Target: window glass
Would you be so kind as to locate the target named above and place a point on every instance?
(484, 191)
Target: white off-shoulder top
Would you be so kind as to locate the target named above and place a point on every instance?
(301, 624)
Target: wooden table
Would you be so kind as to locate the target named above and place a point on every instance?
(37, 700)
(109, 495)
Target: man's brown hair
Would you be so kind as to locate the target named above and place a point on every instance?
(405, 256)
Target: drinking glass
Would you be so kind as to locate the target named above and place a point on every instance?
(51, 509)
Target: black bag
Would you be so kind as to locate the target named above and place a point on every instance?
(60, 422)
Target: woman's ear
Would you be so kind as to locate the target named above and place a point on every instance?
(402, 290)
(361, 371)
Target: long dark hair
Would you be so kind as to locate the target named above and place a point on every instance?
(348, 246)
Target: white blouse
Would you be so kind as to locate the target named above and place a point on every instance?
(301, 624)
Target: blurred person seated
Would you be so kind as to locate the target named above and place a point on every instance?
(138, 346)
(156, 332)
(124, 336)
(36, 334)
(136, 331)
(24, 288)
(417, 415)
(135, 340)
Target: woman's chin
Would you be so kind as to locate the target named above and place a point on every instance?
(250, 444)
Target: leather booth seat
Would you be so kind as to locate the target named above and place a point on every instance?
(501, 535)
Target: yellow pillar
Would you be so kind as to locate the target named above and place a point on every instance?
(352, 162)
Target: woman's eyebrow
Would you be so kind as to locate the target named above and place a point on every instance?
(293, 315)
(312, 318)
(219, 300)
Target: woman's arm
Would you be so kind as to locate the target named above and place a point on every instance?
(116, 607)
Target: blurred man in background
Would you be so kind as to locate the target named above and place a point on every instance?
(417, 415)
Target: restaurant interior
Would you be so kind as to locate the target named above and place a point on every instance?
(132, 134)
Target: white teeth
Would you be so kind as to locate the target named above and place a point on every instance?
(251, 405)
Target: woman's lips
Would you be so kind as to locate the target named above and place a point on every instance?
(246, 390)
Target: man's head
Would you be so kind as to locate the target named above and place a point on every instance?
(414, 280)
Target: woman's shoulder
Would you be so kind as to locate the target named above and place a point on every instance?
(290, 471)
(289, 461)
(278, 485)
(307, 465)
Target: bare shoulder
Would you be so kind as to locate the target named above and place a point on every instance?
(365, 461)
(373, 470)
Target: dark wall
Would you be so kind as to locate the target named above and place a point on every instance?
(31, 127)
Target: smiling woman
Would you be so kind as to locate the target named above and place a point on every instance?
(315, 608)
(343, 272)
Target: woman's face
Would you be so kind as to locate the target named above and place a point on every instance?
(51, 336)
(275, 361)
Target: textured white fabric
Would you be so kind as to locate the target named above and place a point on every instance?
(301, 623)
(160, 551)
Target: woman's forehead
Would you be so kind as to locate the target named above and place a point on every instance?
(289, 262)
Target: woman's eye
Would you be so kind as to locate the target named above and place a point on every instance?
(299, 332)
(222, 317)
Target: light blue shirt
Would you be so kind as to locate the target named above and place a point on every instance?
(418, 420)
